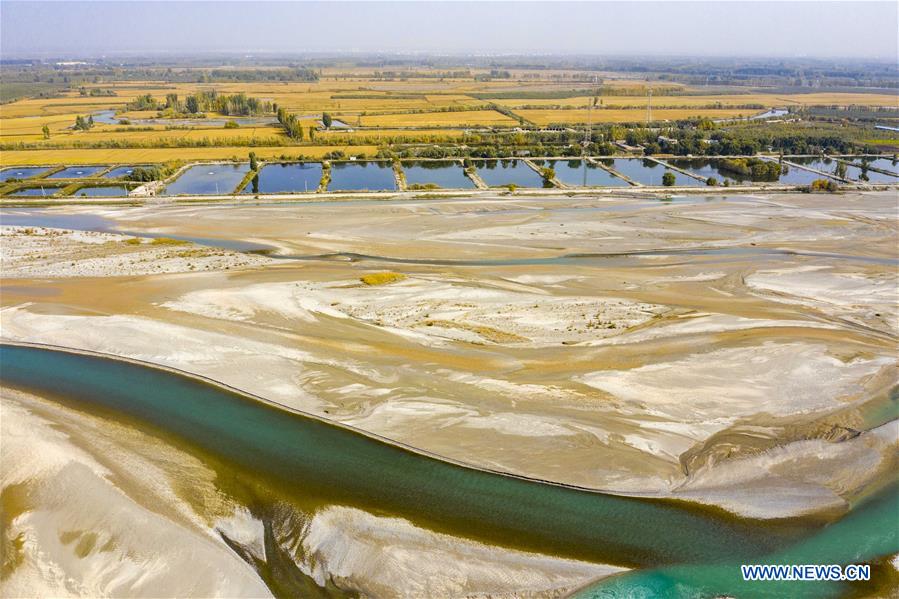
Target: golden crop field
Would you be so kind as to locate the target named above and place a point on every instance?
(384, 108)
(387, 133)
(635, 115)
(32, 125)
(440, 119)
(217, 135)
(766, 100)
(158, 155)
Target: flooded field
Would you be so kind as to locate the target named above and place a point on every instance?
(21, 172)
(358, 176)
(446, 174)
(287, 178)
(497, 173)
(208, 179)
(581, 173)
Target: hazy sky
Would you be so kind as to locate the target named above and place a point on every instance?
(828, 29)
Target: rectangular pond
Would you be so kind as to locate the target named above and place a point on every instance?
(581, 173)
(789, 175)
(77, 172)
(497, 173)
(123, 171)
(208, 179)
(442, 173)
(829, 165)
(648, 172)
(286, 178)
(110, 191)
(21, 172)
(706, 167)
(35, 192)
(359, 176)
(887, 164)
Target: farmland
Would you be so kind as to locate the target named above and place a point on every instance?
(418, 111)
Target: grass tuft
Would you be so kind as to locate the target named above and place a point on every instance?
(168, 241)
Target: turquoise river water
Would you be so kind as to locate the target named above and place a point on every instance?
(677, 545)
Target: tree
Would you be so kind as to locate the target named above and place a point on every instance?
(171, 101)
(668, 179)
(326, 120)
(548, 173)
(192, 104)
(711, 181)
(311, 133)
(840, 170)
(46, 131)
(254, 166)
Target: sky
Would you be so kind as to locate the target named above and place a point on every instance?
(721, 28)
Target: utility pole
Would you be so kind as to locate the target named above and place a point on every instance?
(588, 132)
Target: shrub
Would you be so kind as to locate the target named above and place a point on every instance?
(382, 278)
(668, 179)
(823, 185)
(711, 181)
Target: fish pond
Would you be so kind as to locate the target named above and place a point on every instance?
(111, 191)
(442, 173)
(829, 166)
(208, 179)
(360, 176)
(705, 167)
(648, 172)
(77, 172)
(582, 173)
(498, 173)
(289, 177)
(34, 192)
(887, 164)
(21, 172)
(123, 171)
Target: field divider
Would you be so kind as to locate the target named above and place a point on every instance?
(53, 170)
(472, 173)
(864, 166)
(399, 176)
(246, 180)
(802, 167)
(326, 177)
(105, 170)
(554, 181)
(676, 169)
(612, 171)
